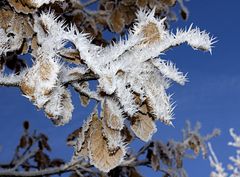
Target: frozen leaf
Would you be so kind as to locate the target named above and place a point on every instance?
(23, 142)
(100, 156)
(84, 99)
(26, 125)
(127, 135)
(116, 21)
(151, 33)
(143, 126)
(155, 162)
(71, 55)
(113, 114)
(59, 108)
(169, 2)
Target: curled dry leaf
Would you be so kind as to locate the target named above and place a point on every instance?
(21, 6)
(112, 114)
(127, 135)
(169, 2)
(71, 55)
(91, 143)
(143, 126)
(18, 28)
(59, 108)
(151, 33)
(28, 6)
(81, 146)
(116, 21)
(84, 99)
(100, 156)
(113, 136)
(142, 3)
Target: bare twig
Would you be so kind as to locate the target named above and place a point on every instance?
(48, 171)
(88, 3)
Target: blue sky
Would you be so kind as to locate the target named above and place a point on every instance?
(212, 96)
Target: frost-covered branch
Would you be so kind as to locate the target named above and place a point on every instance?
(234, 166)
(132, 79)
(12, 80)
(48, 171)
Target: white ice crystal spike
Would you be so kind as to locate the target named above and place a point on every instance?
(126, 98)
(169, 70)
(3, 42)
(49, 27)
(70, 74)
(39, 3)
(195, 38)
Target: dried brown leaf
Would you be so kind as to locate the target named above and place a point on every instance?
(71, 55)
(84, 99)
(112, 115)
(20, 7)
(23, 142)
(127, 135)
(26, 125)
(169, 2)
(143, 126)
(155, 162)
(116, 21)
(100, 156)
(151, 33)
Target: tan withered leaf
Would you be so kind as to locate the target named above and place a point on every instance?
(143, 126)
(71, 138)
(71, 55)
(112, 114)
(26, 88)
(45, 70)
(100, 156)
(6, 16)
(169, 2)
(59, 116)
(114, 137)
(127, 135)
(151, 33)
(84, 98)
(128, 12)
(21, 7)
(116, 21)
(19, 26)
(141, 3)
(81, 147)
(34, 45)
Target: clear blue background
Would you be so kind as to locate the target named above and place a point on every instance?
(212, 96)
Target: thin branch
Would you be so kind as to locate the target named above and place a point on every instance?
(87, 92)
(79, 77)
(48, 171)
(24, 158)
(11, 80)
(90, 2)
